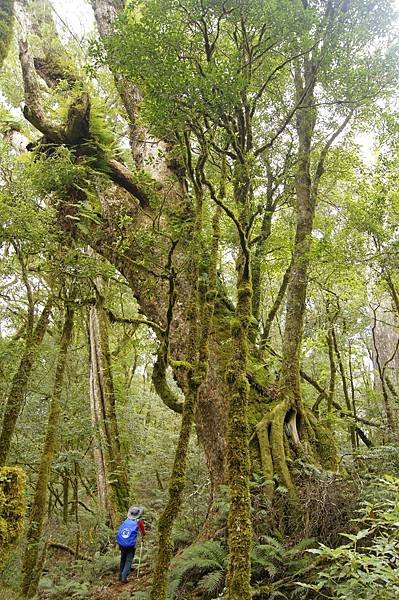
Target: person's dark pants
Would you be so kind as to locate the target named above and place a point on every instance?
(127, 555)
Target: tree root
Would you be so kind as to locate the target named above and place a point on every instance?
(285, 431)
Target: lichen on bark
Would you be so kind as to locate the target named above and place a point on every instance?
(12, 508)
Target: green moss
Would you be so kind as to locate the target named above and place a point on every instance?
(12, 508)
(100, 128)
(326, 447)
(6, 27)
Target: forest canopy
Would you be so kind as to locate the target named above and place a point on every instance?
(199, 299)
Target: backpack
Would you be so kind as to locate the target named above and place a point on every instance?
(127, 533)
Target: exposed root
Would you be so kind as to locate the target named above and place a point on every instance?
(285, 432)
(271, 432)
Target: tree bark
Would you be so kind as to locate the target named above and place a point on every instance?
(238, 462)
(6, 27)
(20, 381)
(201, 309)
(31, 569)
(12, 508)
(113, 489)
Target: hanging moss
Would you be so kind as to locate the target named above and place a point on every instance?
(12, 508)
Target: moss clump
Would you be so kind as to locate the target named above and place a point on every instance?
(6, 26)
(12, 508)
(326, 446)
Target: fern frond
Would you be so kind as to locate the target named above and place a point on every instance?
(196, 563)
(140, 596)
(274, 543)
(211, 582)
(301, 546)
(278, 594)
(268, 551)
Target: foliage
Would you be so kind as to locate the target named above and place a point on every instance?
(186, 56)
(277, 561)
(367, 566)
(200, 566)
(66, 588)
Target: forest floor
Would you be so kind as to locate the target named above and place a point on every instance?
(113, 589)
(108, 589)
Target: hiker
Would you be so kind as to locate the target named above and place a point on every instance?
(127, 538)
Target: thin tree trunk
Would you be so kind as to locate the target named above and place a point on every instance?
(240, 533)
(107, 404)
(390, 417)
(353, 396)
(99, 441)
(344, 388)
(20, 381)
(275, 307)
(112, 482)
(36, 519)
(65, 498)
(76, 510)
(333, 370)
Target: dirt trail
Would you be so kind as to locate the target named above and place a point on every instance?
(113, 590)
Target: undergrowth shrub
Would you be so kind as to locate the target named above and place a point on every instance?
(366, 567)
(329, 503)
(202, 567)
(66, 588)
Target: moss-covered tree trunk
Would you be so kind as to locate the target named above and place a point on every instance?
(172, 508)
(238, 463)
(305, 210)
(287, 414)
(201, 312)
(111, 470)
(12, 508)
(99, 442)
(20, 380)
(31, 567)
(6, 27)
(288, 425)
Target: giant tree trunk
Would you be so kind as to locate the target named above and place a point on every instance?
(20, 380)
(201, 310)
(31, 569)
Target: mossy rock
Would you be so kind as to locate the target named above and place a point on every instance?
(12, 508)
